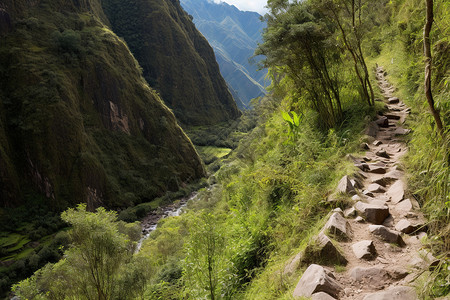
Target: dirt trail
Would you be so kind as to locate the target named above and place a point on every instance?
(382, 231)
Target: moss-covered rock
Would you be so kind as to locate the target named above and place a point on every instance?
(78, 122)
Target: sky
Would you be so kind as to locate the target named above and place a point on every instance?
(251, 5)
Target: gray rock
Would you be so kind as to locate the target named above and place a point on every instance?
(338, 227)
(367, 193)
(423, 260)
(377, 169)
(404, 207)
(363, 167)
(372, 129)
(350, 212)
(406, 226)
(382, 153)
(393, 100)
(393, 117)
(323, 251)
(356, 198)
(385, 180)
(394, 293)
(364, 250)
(359, 219)
(373, 276)
(345, 186)
(372, 213)
(382, 122)
(317, 279)
(401, 131)
(397, 272)
(396, 192)
(322, 296)
(293, 264)
(375, 188)
(387, 234)
(377, 143)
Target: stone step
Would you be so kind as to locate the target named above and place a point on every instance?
(317, 279)
(364, 250)
(387, 234)
(372, 213)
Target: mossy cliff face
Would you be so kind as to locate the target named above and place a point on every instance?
(78, 122)
(176, 59)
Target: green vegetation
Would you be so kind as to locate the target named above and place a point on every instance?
(99, 263)
(176, 59)
(268, 197)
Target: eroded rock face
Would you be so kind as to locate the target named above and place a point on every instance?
(317, 279)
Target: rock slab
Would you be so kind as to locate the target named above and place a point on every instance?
(364, 250)
(372, 213)
(317, 279)
(387, 234)
(338, 226)
(394, 293)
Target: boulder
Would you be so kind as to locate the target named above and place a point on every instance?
(404, 207)
(338, 227)
(375, 188)
(397, 272)
(322, 296)
(373, 276)
(364, 250)
(394, 293)
(372, 213)
(384, 181)
(367, 193)
(387, 234)
(363, 166)
(323, 251)
(377, 143)
(293, 264)
(382, 122)
(317, 279)
(350, 212)
(401, 131)
(405, 226)
(423, 260)
(396, 192)
(372, 129)
(393, 117)
(345, 186)
(377, 169)
(393, 100)
(382, 153)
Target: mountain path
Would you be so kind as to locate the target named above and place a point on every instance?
(380, 235)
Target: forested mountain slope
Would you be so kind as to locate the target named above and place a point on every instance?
(234, 35)
(78, 121)
(176, 59)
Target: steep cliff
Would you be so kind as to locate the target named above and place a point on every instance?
(78, 122)
(176, 59)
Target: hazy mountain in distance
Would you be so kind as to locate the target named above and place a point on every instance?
(234, 35)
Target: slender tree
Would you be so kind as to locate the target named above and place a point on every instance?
(428, 65)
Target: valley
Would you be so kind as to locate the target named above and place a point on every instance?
(144, 155)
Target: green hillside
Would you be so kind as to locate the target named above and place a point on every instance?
(176, 60)
(346, 76)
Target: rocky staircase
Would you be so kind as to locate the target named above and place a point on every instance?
(378, 238)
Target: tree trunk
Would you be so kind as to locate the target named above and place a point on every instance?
(427, 53)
